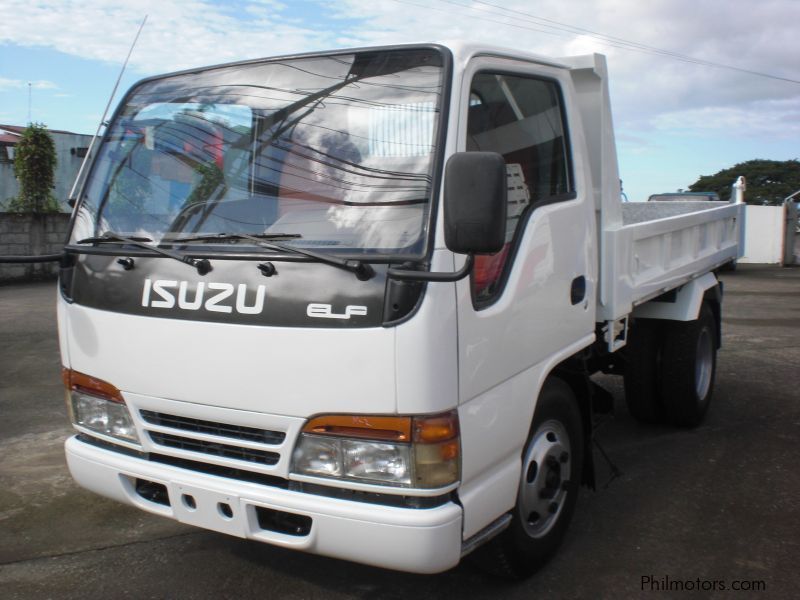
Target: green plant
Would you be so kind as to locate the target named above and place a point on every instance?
(768, 181)
(34, 167)
(212, 183)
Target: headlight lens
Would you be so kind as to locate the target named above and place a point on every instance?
(420, 452)
(98, 406)
(373, 461)
(103, 416)
(319, 456)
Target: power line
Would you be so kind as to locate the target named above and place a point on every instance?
(583, 31)
(632, 45)
(574, 30)
(558, 29)
(568, 35)
(425, 6)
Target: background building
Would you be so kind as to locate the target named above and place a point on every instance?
(70, 150)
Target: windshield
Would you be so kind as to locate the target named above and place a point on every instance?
(335, 151)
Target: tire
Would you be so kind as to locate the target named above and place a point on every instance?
(642, 357)
(688, 367)
(552, 462)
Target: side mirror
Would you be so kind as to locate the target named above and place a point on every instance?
(475, 202)
(475, 205)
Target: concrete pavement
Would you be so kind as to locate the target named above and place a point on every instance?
(718, 503)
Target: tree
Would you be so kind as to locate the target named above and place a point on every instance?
(34, 167)
(768, 181)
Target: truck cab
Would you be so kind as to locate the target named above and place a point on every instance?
(348, 302)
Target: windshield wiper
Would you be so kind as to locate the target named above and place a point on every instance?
(363, 271)
(202, 265)
(211, 237)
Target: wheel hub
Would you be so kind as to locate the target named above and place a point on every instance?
(545, 482)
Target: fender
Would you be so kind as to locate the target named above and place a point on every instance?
(684, 304)
(494, 428)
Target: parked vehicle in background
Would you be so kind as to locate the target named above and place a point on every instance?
(349, 302)
(685, 197)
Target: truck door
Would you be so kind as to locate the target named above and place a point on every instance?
(533, 302)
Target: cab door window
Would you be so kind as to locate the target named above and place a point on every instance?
(521, 118)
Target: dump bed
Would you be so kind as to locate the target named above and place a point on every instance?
(661, 246)
(646, 248)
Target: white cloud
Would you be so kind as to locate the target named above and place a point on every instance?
(756, 37)
(649, 93)
(182, 33)
(9, 84)
(178, 34)
(778, 119)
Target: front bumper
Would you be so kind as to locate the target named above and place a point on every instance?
(415, 540)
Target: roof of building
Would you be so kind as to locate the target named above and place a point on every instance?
(11, 133)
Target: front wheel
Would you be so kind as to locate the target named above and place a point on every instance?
(548, 488)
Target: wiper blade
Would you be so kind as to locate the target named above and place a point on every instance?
(113, 238)
(202, 265)
(221, 237)
(363, 271)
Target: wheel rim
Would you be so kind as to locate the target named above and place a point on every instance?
(544, 484)
(704, 364)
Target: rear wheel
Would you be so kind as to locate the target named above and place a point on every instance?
(549, 479)
(642, 357)
(688, 366)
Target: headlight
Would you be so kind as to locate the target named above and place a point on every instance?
(420, 452)
(372, 462)
(98, 407)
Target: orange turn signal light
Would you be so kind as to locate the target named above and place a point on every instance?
(390, 429)
(73, 380)
(423, 430)
(436, 428)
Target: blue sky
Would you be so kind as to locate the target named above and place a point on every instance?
(674, 120)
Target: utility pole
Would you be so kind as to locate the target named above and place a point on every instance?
(30, 87)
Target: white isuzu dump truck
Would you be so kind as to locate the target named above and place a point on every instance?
(350, 302)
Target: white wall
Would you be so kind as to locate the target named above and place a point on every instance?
(763, 234)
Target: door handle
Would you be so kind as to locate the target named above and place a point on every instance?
(577, 291)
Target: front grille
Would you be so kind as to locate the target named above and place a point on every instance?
(219, 470)
(251, 455)
(238, 432)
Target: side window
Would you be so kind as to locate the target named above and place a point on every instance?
(521, 118)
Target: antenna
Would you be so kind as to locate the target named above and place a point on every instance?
(72, 199)
(29, 102)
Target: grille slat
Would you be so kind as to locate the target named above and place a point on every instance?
(249, 455)
(226, 430)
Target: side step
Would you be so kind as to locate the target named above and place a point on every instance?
(484, 535)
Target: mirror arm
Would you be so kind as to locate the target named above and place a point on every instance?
(409, 275)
